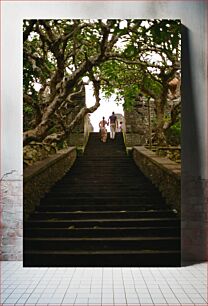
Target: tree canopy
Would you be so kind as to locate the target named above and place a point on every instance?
(126, 57)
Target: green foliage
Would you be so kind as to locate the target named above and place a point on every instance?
(29, 115)
(131, 51)
(176, 128)
(55, 49)
(153, 85)
(173, 134)
(27, 109)
(53, 130)
(130, 95)
(165, 33)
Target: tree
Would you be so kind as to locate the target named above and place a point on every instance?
(149, 66)
(57, 55)
(116, 55)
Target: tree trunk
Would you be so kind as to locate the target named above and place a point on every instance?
(160, 138)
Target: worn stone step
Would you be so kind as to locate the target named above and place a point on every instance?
(67, 206)
(104, 202)
(98, 185)
(99, 182)
(100, 258)
(79, 223)
(104, 198)
(171, 231)
(104, 212)
(103, 243)
(123, 214)
(102, 193)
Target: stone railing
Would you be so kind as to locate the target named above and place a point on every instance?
(40, 177)
(133, 139)
(164, 173)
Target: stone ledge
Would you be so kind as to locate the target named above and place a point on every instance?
(42, 165)
(40, 177)
(168, 165)
(163, 172)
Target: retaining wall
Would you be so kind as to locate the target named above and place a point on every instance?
(163, 173)
(40, 177)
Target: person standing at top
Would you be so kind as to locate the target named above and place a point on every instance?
(113, 125)
(103, 130)
(120, 128)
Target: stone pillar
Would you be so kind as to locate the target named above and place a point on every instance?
(79, 135)
(120, 118)
(137, 125)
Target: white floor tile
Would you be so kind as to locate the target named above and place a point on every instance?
(104, 299)
(146, 301)
(184, 300)
(133, 296)
(107, 291)
(81, 301)
(195, 298)
(96, 290)
(132, 300)
(119, 301)
(94, 301)
(70, 300)
(172, 301)
(107, 296)
(187, 285)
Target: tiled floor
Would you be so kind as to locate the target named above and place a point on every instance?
(103, 286)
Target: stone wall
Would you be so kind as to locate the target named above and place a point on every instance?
(79, 137)
(76, 137)
(80, 133)
(133, 139)
(163, 172)
(40, 177)
(11, 220)
(136, 133)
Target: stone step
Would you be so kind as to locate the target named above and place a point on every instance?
(167, 231)
(102, 193)
(67, 206)
(101, 214)
(104, 198)
(104, 201)
(104, 212)
(103, 243)
(101, 258)
(79, 223)
(98, 183)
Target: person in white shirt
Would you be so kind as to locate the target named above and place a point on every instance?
(113, 125)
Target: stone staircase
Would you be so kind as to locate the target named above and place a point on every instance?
(103, 213)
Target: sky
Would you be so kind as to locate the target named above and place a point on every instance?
(105, 109)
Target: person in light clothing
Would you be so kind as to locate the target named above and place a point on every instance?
(113, 125)
(120, 128)
(103, 130)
